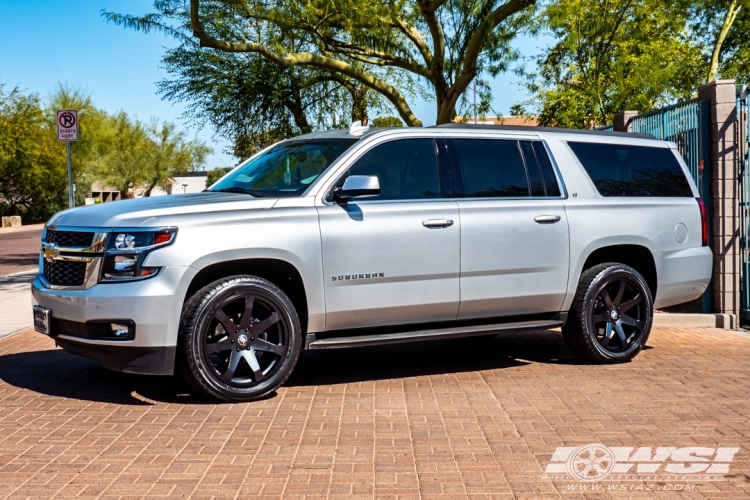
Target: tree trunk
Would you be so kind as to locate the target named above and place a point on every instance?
(446, 111)
(294, 105)
(731, 15)
(359, 104)
(147, 193)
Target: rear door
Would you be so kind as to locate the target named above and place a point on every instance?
(514, 231)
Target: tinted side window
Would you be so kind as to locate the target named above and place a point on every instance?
(407, 169)
(550, 181)
(532, 167)
(491, 168)
(624, 170)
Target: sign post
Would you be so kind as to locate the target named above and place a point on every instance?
(67, 130)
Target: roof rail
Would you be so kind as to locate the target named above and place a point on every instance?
(523, 128)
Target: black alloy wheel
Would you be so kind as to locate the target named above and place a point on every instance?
(241, 338)
(618, 314)
(611, 317)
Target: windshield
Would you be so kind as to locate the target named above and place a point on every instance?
(286, 169)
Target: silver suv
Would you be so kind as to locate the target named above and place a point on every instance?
(363, 237)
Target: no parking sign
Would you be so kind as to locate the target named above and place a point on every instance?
(67, 125)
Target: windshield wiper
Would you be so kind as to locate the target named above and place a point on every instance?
(238, 190)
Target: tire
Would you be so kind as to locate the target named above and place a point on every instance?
(240, 338)
(612, 313)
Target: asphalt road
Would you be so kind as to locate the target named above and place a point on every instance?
(19, 250)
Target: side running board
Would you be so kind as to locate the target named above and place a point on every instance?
(312, 342)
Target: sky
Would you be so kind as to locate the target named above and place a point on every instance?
(46, 42)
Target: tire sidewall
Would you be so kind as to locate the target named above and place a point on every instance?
(204, 314)
(603, 278)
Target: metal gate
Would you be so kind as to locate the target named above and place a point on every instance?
(686, 124)
(743, 147)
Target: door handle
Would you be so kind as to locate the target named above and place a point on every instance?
(547, 219)
(437, 223)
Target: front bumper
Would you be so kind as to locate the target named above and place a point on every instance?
(154, 305)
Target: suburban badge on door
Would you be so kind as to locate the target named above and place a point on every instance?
(343, 277)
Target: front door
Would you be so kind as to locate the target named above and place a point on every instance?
(394, 258)
(514, 232)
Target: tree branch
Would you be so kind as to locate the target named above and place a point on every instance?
(305, 59)
(731, 15)
(438, 43)
(416, 38)
(476, 42)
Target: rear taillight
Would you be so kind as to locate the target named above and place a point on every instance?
(704, 221)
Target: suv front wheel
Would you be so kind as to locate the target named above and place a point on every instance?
(240, 338)
(611, 317)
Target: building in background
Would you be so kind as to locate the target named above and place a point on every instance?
(190, 182)
(525, 121)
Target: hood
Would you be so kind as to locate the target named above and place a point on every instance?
(156, 211)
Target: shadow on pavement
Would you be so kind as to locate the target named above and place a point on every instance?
(57, 373)
(19, 259)
(430, 358)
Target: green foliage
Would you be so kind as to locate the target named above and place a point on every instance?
(135, 158)
(612, 55)
(376, 50)
(115, 150)
(707, 20)
(518, 110)
(246, 98)
(216, 174)
(33, 171)
(387, 121)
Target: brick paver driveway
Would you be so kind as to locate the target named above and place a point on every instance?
(471, 418)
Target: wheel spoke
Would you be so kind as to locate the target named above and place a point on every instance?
(234, 360)
(607, 301)
(607, 335)
(620, 332)
(620, 293)
(264, 325)
(252, 361)
(627, 320)
(264, 345)
(631, 303)
(600, 318)
(247, 314)
(222, 345)
(225, 321)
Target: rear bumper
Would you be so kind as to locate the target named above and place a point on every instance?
(684, 275)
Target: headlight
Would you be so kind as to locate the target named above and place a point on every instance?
(127, 249)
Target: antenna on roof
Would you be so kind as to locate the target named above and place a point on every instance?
(357, 128)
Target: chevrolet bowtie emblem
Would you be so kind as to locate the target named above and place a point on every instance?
(50, 252)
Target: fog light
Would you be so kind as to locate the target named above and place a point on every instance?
(120, 330)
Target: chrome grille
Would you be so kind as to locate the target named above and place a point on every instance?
(70, 238)
(65, 272)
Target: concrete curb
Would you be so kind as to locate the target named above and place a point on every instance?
(725, 321)
(7, 335)
(16, 229)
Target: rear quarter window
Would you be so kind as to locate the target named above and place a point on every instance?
(625, 170)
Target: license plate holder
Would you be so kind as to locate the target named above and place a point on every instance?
(42, 317)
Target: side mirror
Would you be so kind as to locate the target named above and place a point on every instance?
(357, 186)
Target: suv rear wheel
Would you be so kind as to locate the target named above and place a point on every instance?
(240, 339)
(611, 317)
